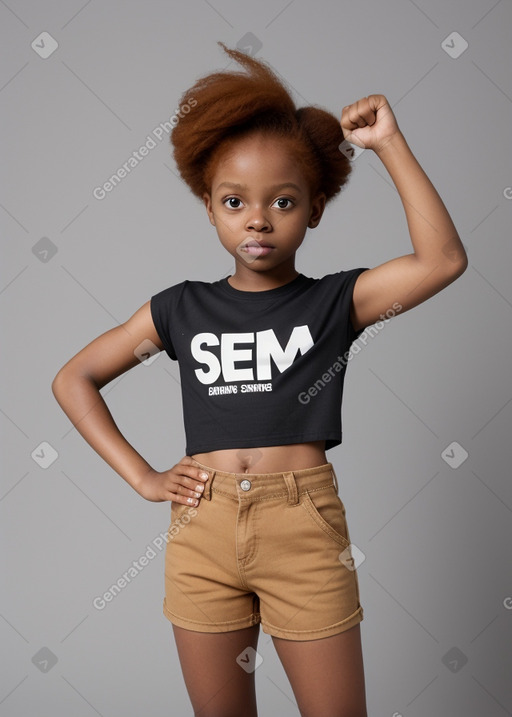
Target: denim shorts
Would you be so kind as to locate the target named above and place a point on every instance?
(269, 548)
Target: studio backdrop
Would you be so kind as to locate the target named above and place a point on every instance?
(95, 220)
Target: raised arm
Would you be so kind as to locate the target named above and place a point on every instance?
(438, 256)
(77, 390)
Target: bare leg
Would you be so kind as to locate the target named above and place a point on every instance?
(326, 675)
(217, 685)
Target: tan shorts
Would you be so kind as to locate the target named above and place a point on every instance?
(267, 548)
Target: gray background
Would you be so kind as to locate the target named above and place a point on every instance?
(436, 579)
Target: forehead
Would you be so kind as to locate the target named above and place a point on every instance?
(257, 156)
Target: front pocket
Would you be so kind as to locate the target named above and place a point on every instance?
(181, 516)
(326, 509)
(176, 510)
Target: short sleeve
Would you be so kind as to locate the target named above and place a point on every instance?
(352, 334)
(161, 306)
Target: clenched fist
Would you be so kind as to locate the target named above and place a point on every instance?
(369, 123)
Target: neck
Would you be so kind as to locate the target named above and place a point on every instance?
(245, 279)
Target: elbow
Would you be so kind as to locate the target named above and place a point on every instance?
(461, 266)
(454, 259)
(455, 271)
(66, 381)
(457, 263)
(462, 260)
(62, 381)
(58, 384)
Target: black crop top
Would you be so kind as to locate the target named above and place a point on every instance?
(259, 368)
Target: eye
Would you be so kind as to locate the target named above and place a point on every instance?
(232, 202)
(281, 203)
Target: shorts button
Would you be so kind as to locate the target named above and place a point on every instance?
(245, 485)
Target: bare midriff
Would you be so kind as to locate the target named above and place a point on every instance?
(267, 459)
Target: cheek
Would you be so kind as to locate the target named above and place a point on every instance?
(225, 220)
(301, 218)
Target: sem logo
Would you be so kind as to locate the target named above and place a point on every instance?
(267, 346)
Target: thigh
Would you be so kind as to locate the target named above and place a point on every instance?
(218, 686)
(326, 675)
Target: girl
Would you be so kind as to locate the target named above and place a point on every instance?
(258, 532)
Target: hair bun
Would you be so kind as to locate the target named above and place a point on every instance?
(232, 103)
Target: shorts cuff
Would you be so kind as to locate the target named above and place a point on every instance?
(197, 626)
(335, 629)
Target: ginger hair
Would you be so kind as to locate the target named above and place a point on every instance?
(233, 104)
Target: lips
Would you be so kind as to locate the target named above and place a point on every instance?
(258, 250)
(255, 247)
(255, 243)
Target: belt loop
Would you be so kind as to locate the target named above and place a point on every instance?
(335, 480)
(291, 484)
(207, 493)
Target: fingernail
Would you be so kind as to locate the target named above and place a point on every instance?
(200, 487)
(203, 475)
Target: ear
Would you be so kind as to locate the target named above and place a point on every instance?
(208, 204)
(317, 209)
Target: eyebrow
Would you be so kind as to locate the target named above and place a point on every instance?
(274, 188)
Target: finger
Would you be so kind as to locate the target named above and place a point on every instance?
(363, 113)
(184, 495)
(381, 105)
(182, 499)
(191, 471)
(359, 114)
(376, 102)
(191, 485)
(350, 118)
(189, 462)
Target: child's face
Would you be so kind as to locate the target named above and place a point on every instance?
(260, 204)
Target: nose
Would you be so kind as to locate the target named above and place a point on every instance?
(258, 221)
